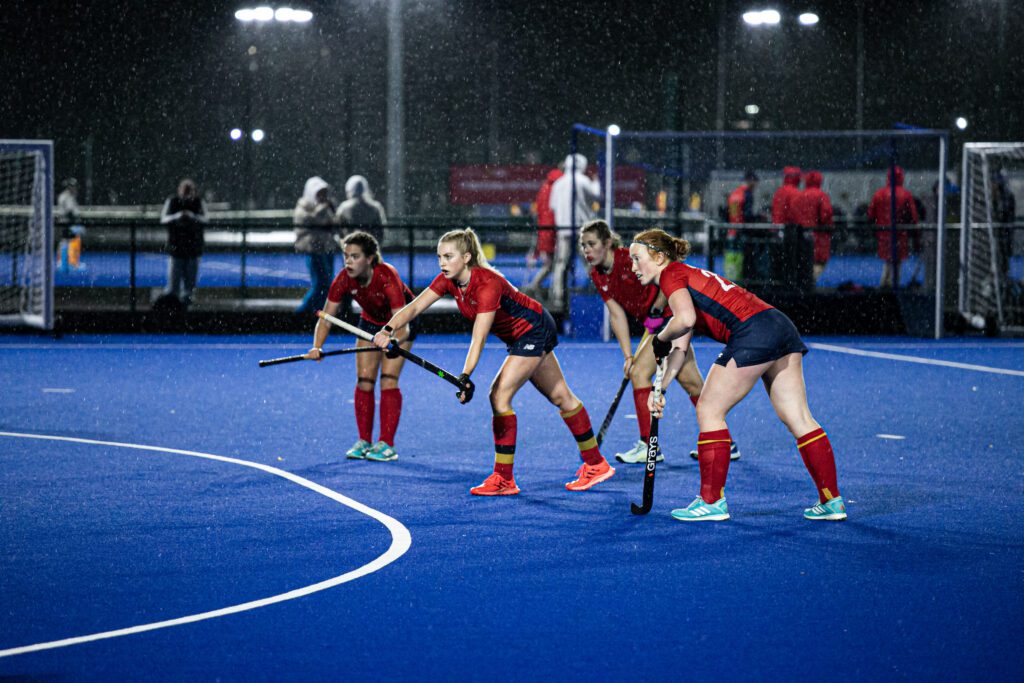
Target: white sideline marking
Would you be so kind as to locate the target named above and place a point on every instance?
(894, 437)
(57, 390)
(400, 542)
(916, 359)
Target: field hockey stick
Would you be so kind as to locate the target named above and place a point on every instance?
(652, 449)
(393, 347)
(618, 395)
(324, 354)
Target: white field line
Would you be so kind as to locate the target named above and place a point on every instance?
(400, 542)
(916, 359)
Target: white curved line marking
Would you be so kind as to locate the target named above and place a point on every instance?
(400, 542)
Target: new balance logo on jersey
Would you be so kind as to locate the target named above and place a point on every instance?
(529, 347)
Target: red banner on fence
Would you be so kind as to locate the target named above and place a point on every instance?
(518, 184)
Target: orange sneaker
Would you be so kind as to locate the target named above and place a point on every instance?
(496, 485)
(588, 475)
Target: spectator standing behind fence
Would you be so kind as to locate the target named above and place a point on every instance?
(813, 209)
(784, 199)
(588, 190)
(880, 211)
(184, 215)
(360, 210)
(68, 214)
(544, 246)
(315, 232)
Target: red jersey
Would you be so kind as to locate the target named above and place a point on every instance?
(515, 313)
(383, 293)
(721, 305)
(621, 286)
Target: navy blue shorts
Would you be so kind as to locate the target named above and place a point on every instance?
(538, 341)
(373, 328)
(762, 338)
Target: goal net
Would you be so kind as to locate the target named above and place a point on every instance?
(726, 193)
(990, 243)
(26, 233)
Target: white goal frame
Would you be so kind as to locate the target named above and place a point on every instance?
(40, 215)
(978, 240)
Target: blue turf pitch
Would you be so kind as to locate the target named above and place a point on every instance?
(924, 581)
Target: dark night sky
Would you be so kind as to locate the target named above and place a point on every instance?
(156, 86)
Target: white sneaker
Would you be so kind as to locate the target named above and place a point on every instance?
(734, 452)
(637, 454)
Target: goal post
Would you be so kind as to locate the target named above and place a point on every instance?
(26, 234)
(990, 294)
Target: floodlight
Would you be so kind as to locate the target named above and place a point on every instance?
(258, 135)
(614, 130)
(263, 13)
(752, 109)
(961, 123)
(808, 18)
(236, 133)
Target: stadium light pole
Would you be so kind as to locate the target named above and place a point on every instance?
(257, 16)
(396, 113)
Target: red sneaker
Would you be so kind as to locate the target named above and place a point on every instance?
(496, 485)
(588, 475)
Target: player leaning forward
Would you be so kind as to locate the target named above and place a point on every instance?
(484, 296)
(761, 343)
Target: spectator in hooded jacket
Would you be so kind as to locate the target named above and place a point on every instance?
(185, 218)
(315, 236)
(785, 197)
(561, 202)
(880, 211)
(813, 209)
(360, 210)
(544, 248)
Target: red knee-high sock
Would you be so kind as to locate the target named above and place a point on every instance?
(364, 414)
(816, 451)
(390, 412)
(578, 423)
(713, 455)
(643, 415)
(694, 399)
(504, 426)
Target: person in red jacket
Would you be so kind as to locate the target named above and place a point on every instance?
(544, 248)
(762, 346)
(784, 199)
(813, 209)
(741, 201)
(880, 211)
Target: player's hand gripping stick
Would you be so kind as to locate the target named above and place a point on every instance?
(394, 347)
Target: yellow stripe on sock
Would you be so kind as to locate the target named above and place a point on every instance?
(701, 443)
(819, 436)
(505, 414)
(569, 413)
(504, 458)
(828, 494)
(588, 444)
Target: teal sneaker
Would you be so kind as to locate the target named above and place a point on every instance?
(358, 450)
(830, 511)
(381, 452)
(699, 511)
(734, 452)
